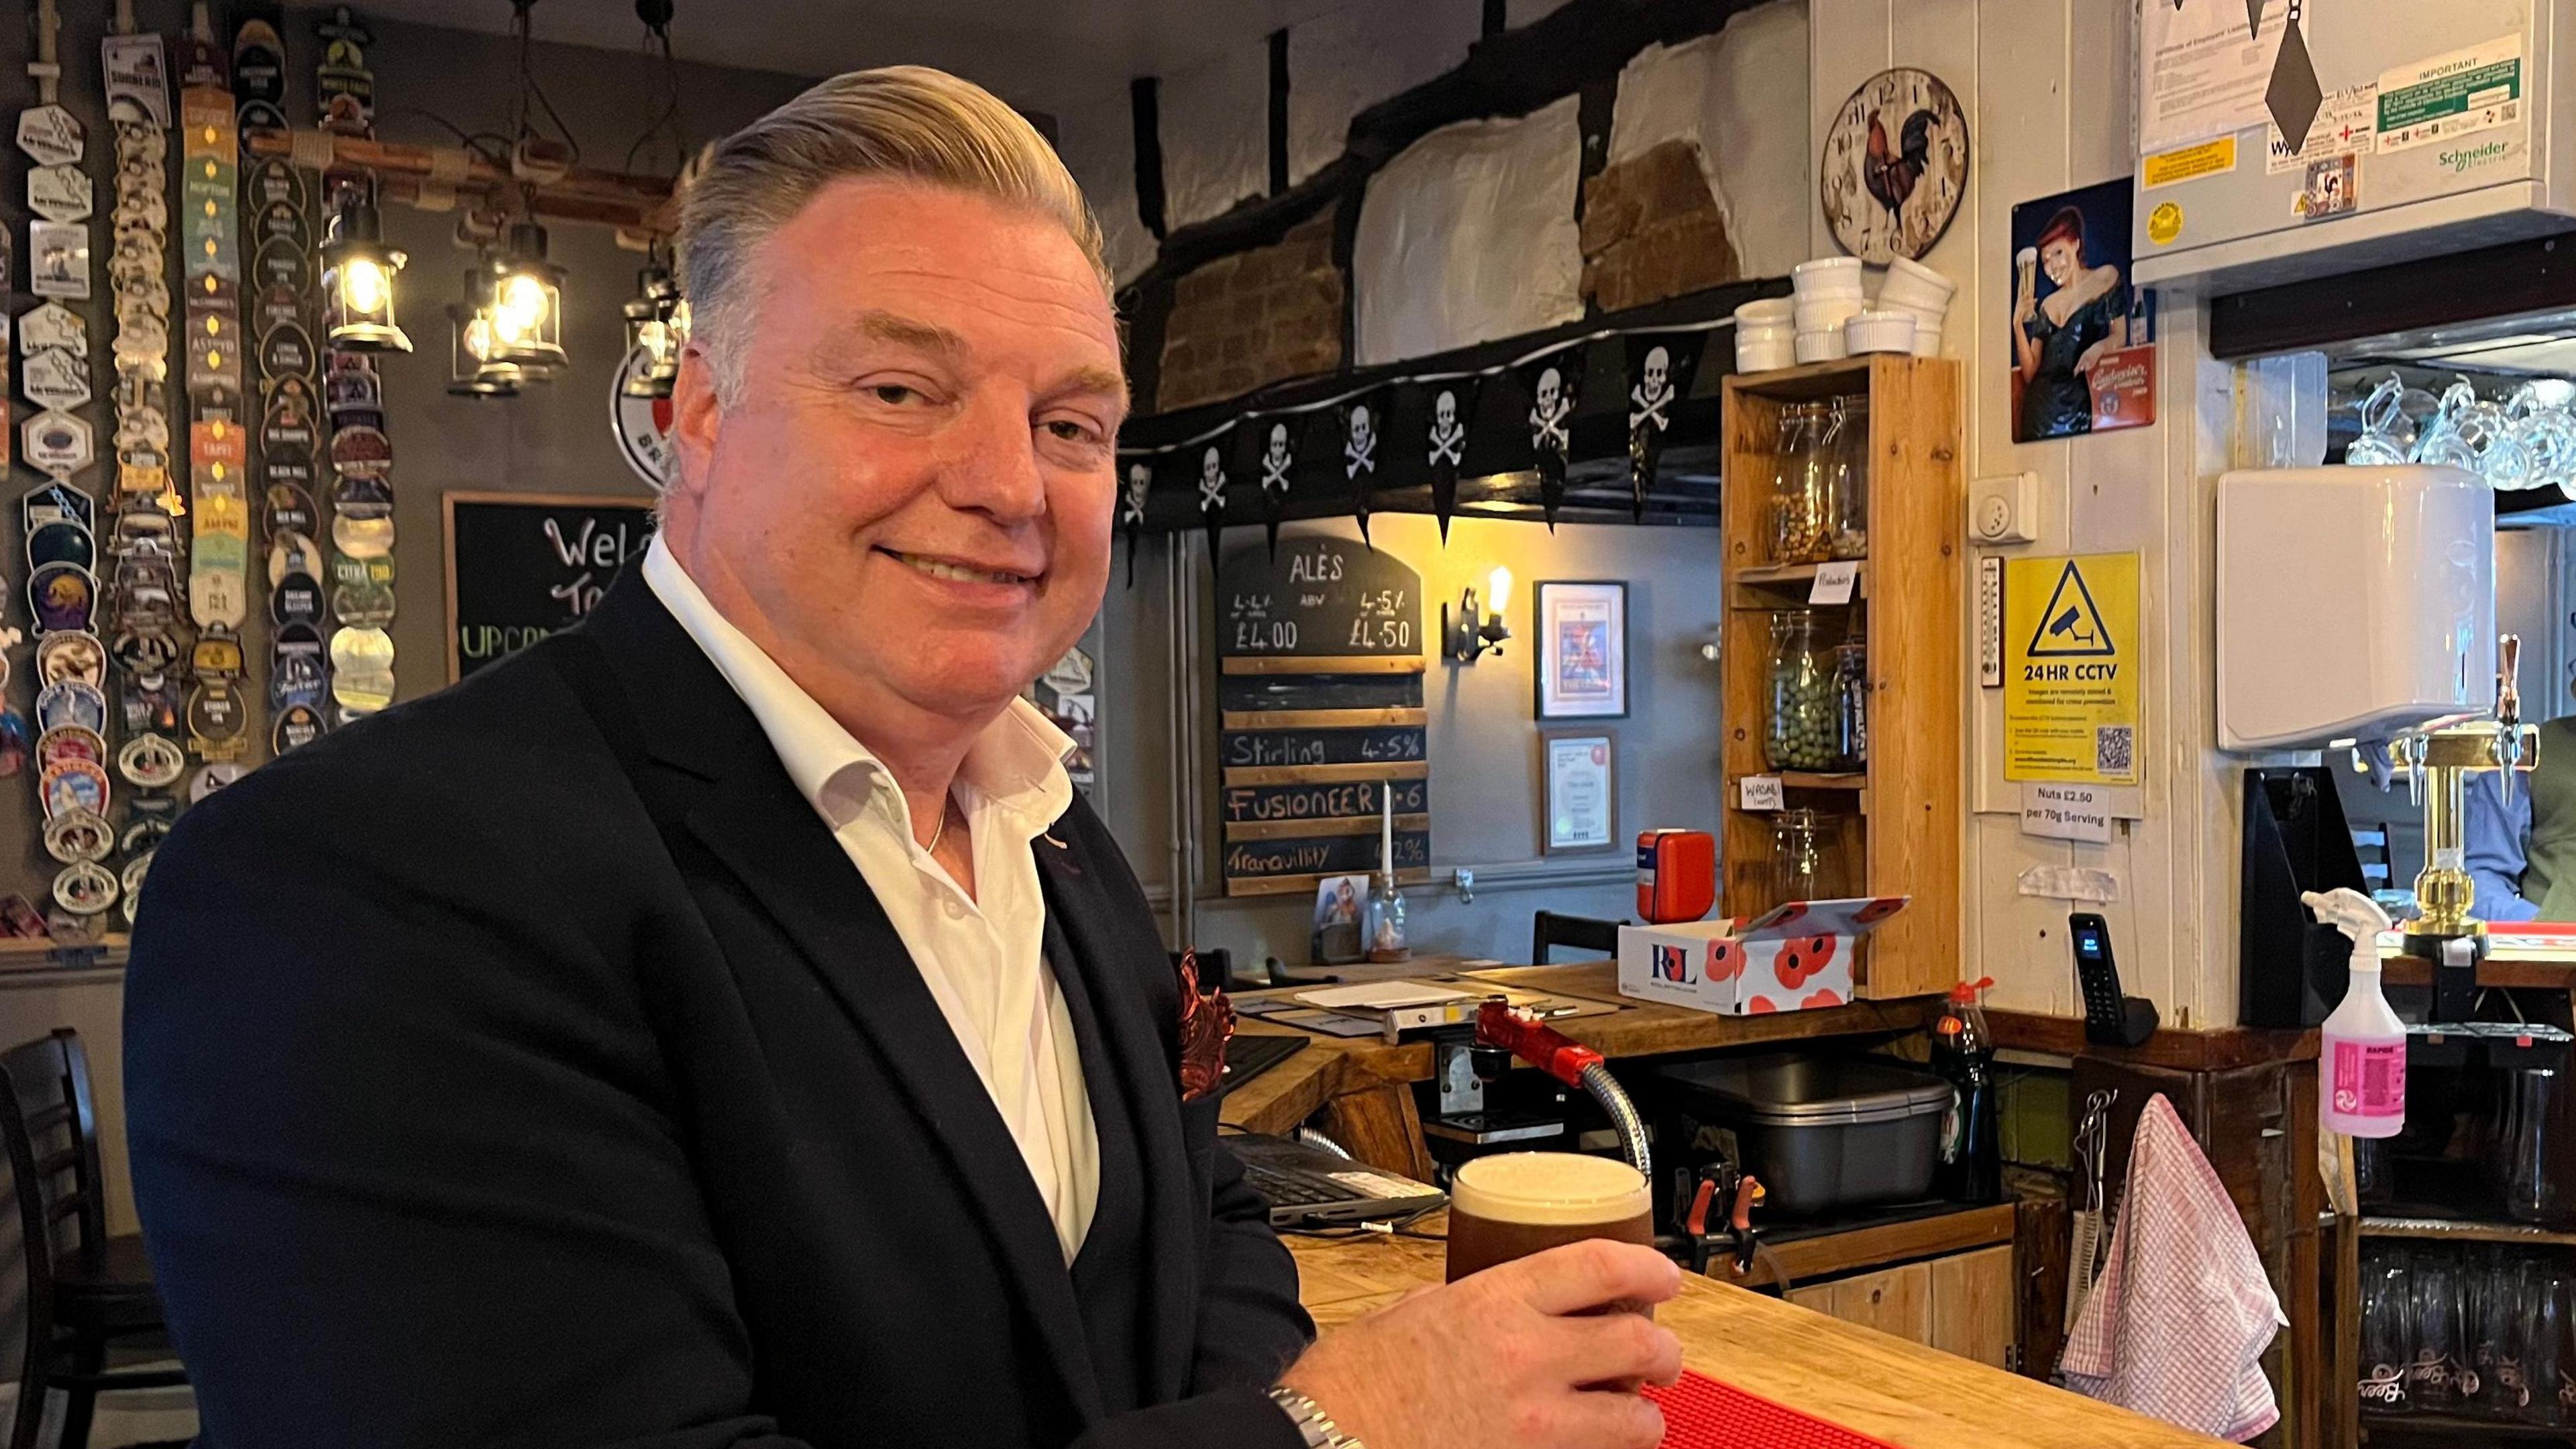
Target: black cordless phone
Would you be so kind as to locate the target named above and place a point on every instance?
(2110, 1019)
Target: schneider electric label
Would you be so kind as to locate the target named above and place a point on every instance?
(2450, 96)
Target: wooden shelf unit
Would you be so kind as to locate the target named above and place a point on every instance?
(1911, 611)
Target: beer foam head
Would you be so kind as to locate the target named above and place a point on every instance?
(1549, 1188)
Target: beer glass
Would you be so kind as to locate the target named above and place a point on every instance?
(1512, 1204)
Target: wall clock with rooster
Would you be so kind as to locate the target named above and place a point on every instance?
(1895, 166)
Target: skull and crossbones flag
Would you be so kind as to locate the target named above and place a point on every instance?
(1447, 406)
(1265, 460)
(1554, 382)
(1661, 366)
(1361, 420)
(1205, 473)
(1135, 485)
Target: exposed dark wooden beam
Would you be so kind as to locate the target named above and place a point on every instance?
(2456, 291)
(1145, 108)
(1278, 111)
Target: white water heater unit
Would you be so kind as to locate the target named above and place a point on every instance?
(2353, 603)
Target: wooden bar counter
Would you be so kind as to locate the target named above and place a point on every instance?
(1908, 1395)
(1365, 1086)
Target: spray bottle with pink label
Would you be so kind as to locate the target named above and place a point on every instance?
(2361, 1060)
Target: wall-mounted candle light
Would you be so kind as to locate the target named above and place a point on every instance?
(1472, 631)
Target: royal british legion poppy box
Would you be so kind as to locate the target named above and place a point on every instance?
(1790, 958)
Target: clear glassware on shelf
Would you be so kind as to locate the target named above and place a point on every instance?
(2441, 444)
(1800, 730)
(2547, 432)
(1847, 451)
(1801, 531)
(2387, 1332)
(2387, 434)
(1797, 857)
(1851, 705)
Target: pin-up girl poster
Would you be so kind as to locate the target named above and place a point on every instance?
(2070, 306)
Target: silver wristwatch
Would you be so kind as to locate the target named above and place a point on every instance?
(1312, 1422)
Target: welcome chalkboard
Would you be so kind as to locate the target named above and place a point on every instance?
(522, 565)
(1319, 693)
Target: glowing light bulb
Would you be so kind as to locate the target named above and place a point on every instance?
(363, 285)
(523, 307)
(1498, 591)
(478, 338)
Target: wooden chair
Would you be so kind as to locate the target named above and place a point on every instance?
(1550, 929)
(84, 1288)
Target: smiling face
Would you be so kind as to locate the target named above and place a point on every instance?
(2061, 259)
(909, 505)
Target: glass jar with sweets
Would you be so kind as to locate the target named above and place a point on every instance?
(1800, 733)
(1798, 857)
(1801, 513)
(1851, 705)
(1847, 476)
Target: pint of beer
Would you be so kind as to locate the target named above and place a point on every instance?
(2026, 270)
(1513, 1204)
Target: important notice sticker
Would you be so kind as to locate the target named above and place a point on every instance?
(2452, 95)
(2071, 669)
(2190, 163)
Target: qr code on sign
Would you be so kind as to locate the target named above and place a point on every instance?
(2112, 747)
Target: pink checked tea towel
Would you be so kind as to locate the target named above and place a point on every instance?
(2183, 1312)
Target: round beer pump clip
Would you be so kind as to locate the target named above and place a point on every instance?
(131, 879)
(297, 725)
(79, 837)
(71, 702)
(151, 762)
(69, 742)
(86, 889)
(62, 597)
(71, 654)
(213, 777)
(74, 785)
(292, 553)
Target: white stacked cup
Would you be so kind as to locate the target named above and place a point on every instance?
(1915, 288)
(1765, 335)
(1828, 292)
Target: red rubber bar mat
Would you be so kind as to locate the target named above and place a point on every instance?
(1701, 1413)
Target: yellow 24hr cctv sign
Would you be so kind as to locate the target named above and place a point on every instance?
(2071, 669)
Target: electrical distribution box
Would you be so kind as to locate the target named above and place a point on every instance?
(2437, 132)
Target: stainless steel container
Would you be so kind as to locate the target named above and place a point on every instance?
(1822, 1131)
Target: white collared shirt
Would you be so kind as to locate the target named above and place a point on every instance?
(984, 958)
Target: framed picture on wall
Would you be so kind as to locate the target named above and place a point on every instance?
(1581, 798)
(1582, 649)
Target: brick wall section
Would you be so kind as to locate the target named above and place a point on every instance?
(1254, 318)
(1651, 230)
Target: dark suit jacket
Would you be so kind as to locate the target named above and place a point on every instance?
(528, 1065)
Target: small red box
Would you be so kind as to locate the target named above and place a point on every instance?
(1676, 875)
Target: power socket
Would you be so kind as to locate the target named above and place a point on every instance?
(2004, 509)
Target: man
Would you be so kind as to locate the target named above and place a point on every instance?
(721, 1024)
(2520, 849)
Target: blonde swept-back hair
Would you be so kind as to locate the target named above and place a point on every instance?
(906, 121)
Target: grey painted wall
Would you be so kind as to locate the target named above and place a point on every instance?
(1484, 734)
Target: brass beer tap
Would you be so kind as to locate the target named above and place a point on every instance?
(2440, 760)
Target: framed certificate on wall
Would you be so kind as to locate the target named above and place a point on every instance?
(1582, 790)
(1582, 650)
